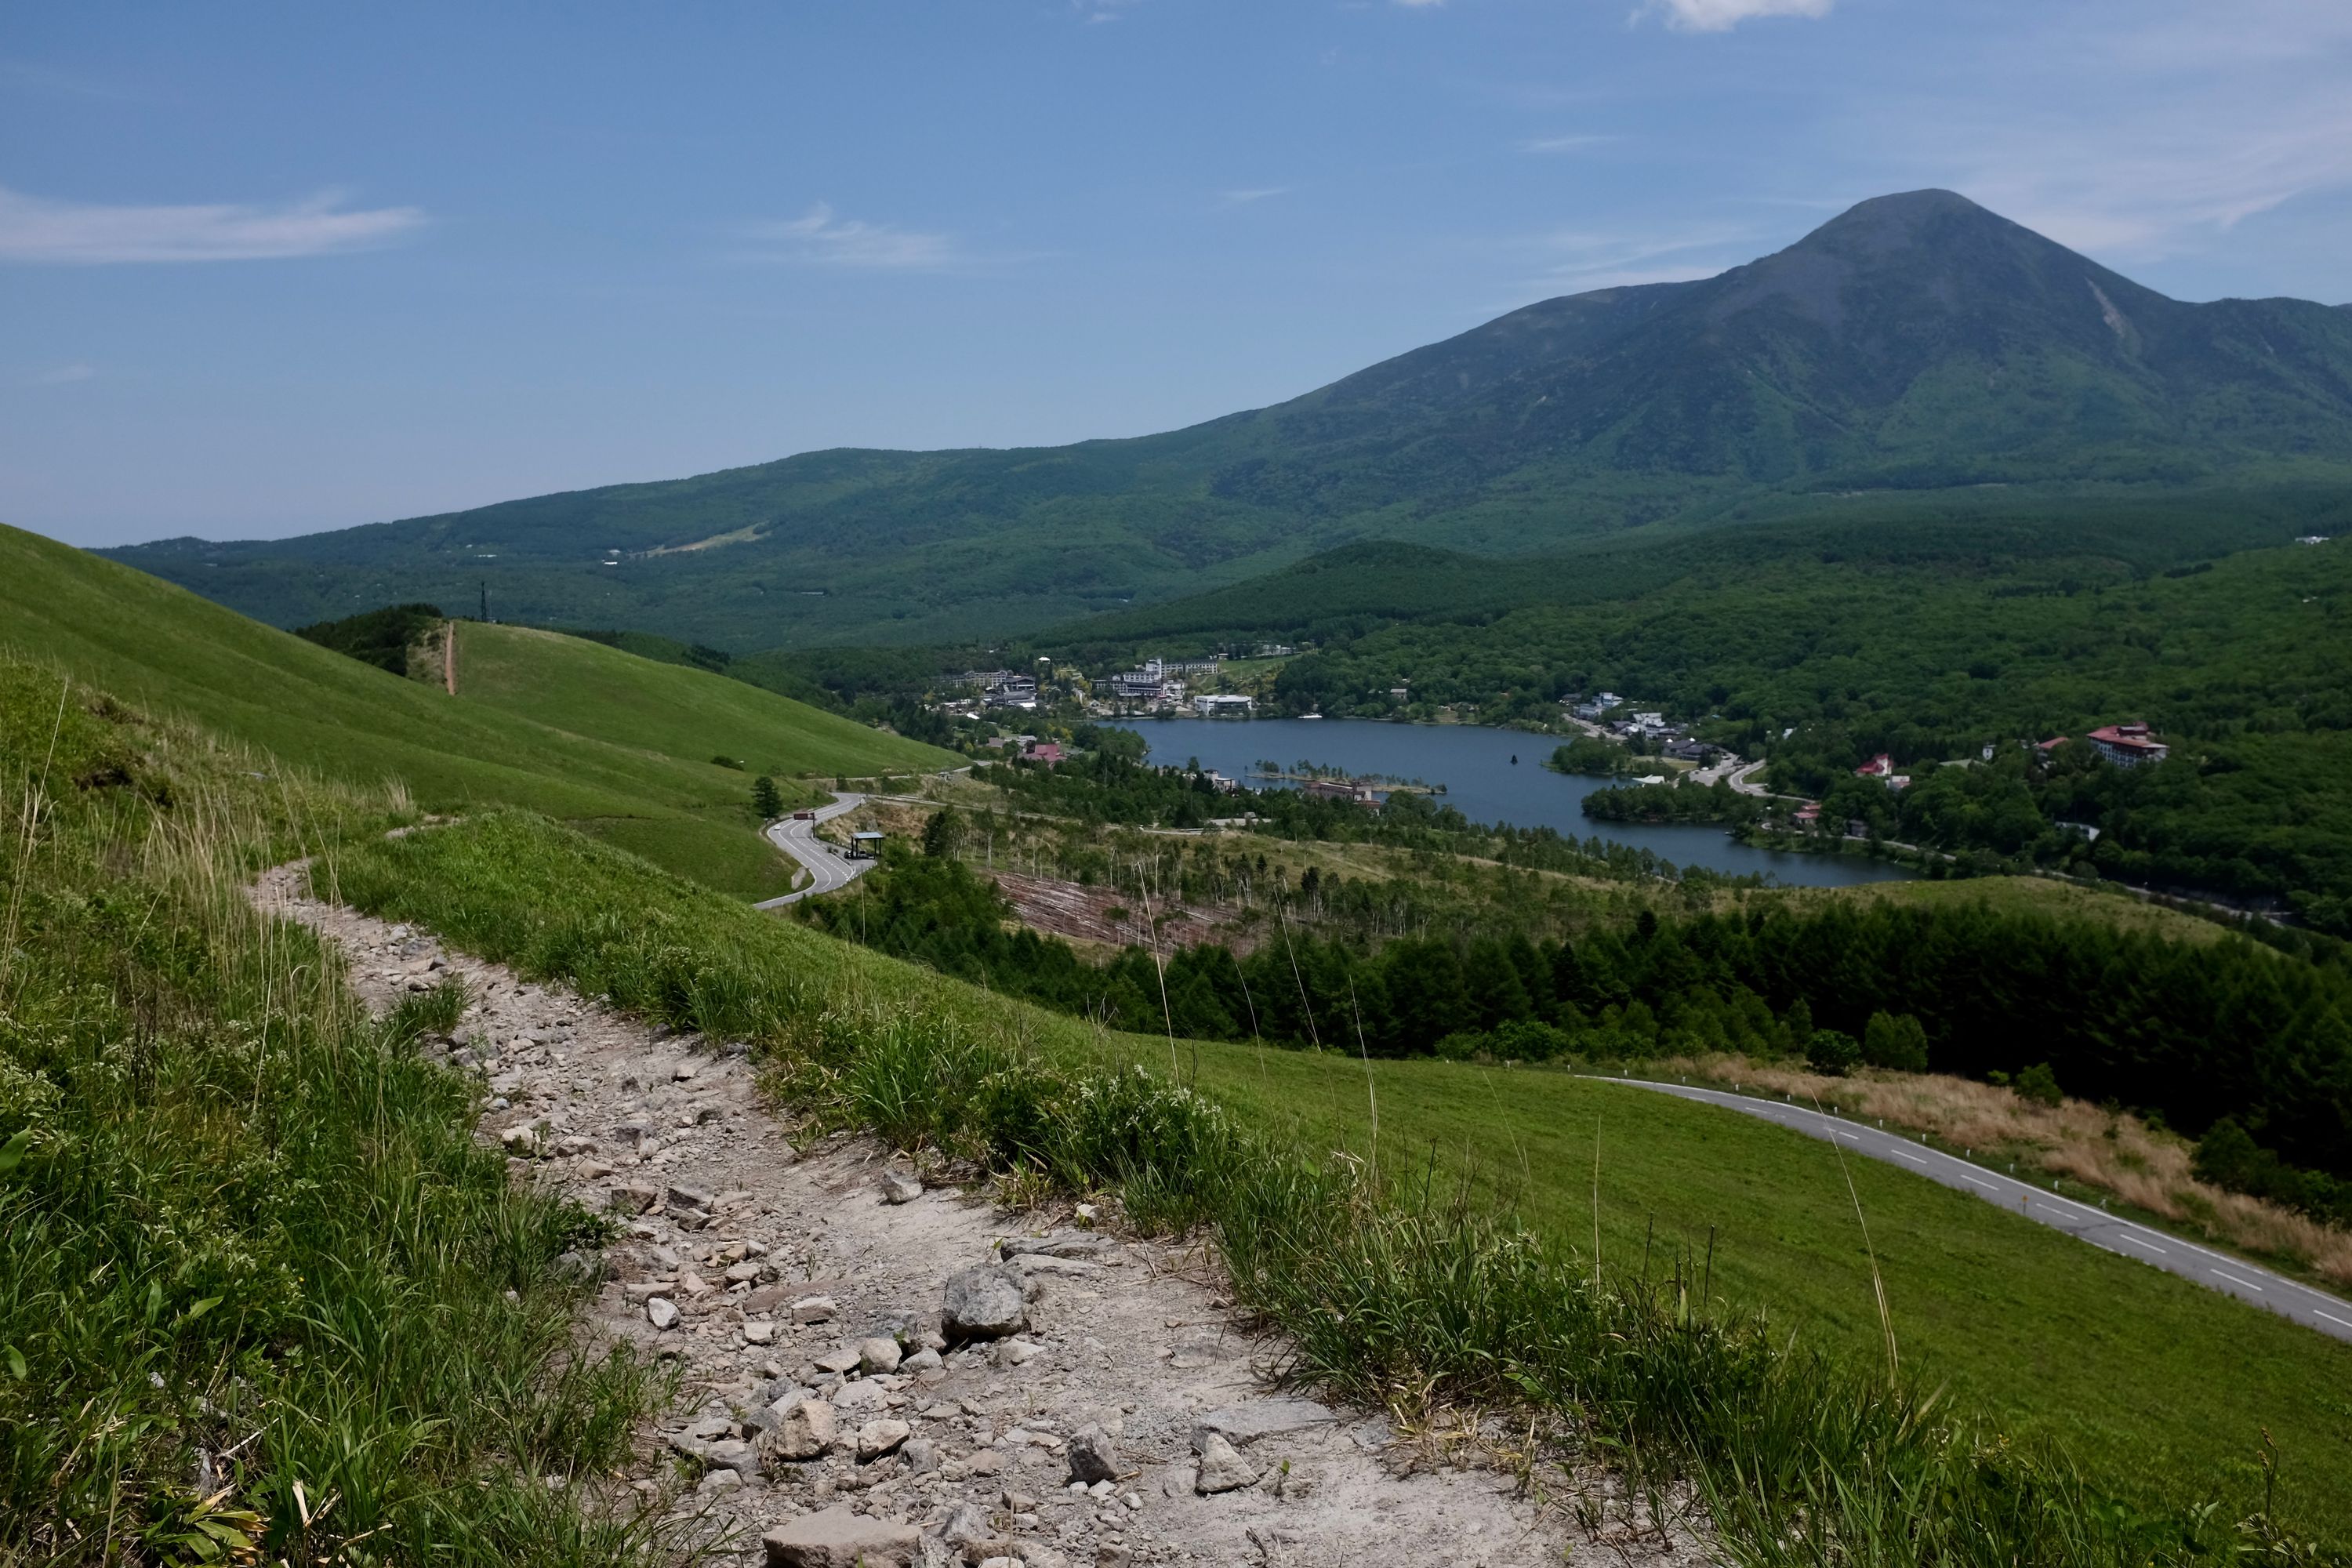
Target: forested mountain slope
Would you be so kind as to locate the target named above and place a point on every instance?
(1915, 343)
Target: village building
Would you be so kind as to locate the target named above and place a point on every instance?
(1879, 767)
(2129, 745)
(1224, 705)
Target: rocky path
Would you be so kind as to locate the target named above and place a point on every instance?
(883, 1372)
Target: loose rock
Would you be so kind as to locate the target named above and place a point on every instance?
(803, 1431)
(876, 1438)
(1093, 1457)
(836, 1538)
(661, 1312)
(1222, 1469)
(877, 1355)
(897, 1187)
(985, 1303)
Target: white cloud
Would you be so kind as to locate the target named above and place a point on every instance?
(1721, 16)
(820, 238)
(1564, 143)
(64, 375)
(2144, 132)
(32, 228)
(1258, 194)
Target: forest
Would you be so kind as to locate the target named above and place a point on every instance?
(2189, 1033)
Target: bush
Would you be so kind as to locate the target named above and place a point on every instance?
(1833, 1051)
(1896, 1041)
(2040, 1085)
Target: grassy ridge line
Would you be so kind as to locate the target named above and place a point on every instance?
(168, 650)
(927, 1059)
(262, 1291)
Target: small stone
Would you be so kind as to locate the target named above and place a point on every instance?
(1094, 1458)
(924, 1360)
(985, 1302)
(862, 1396)
(688, 1198)
(805, 1430)
(684, 1072)
(1018, 1353)
(743, 1273)
(836, 1538)
(758, 1333)
(522, 1141)
(661, 1312)
(878, 1437)
(632, 1197)
(1222, 1469)
(897, 1187)
(877, 1355)
(593, 1169)
(922, 1455)
(813, 1309)
(840, 1358)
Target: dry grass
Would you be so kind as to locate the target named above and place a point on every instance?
(2117, 1154)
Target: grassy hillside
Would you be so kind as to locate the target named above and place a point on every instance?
(164, 649)
(2163, 1390)
(1916, 344)
(253, 1245)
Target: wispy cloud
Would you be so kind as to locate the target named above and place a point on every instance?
(64, 375)
(1576, 260)
(1258, 194)
(2148, 135)
(34, 229)
(1721, 16)
(820, 238)
(1549, 144)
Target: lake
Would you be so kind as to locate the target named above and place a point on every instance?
(1481, 783)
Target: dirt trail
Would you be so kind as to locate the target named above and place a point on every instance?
(772, 1264)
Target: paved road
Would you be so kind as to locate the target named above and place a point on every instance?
(829, 870)
(2160, 1250)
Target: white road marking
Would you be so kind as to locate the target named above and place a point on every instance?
(2235, 1280)
(1901, 1155)
(2138, 1242)
(1974, 1182)
(2331, 1318)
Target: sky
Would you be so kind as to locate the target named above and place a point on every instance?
(269, 269)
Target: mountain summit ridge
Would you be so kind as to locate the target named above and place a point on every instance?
(1916, 340)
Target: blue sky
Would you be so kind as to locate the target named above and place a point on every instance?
(266, 269)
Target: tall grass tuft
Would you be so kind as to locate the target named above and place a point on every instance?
(254, 1295)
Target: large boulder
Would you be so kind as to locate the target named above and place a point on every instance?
(985, 1303)
(836, 1538)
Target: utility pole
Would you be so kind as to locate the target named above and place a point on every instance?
(449, 655)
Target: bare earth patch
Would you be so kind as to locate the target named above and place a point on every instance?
(1106, 915)
(800, 1291)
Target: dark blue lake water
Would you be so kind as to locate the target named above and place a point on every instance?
(1482, 782)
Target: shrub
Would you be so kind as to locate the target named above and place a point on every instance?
(1896, 1041)
(2040, 1085)
(1833, 1051)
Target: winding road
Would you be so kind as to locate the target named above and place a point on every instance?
(2157, 1249)
(829, 869)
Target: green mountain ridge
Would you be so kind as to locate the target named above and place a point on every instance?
(1916, 342)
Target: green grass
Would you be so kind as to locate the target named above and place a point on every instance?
(586, 688)
(2161, 1390)
(555, 726)
(261, 1288)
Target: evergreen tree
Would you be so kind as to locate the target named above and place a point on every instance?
(765, 799)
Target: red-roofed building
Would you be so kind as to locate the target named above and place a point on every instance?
(2129, 745)
(1878, 767)
(1809, 814)
(1044, 752)
(2050, 747)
